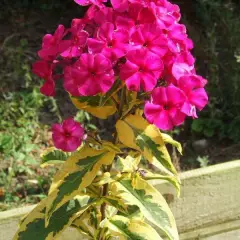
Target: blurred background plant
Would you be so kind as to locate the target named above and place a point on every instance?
(214, 26)
(220, 22)
(26, 115)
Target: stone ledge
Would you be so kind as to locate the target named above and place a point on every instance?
(209, 206)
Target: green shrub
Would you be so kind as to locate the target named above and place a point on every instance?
(217, 24)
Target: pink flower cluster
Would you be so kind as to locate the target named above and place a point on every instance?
(140, 42)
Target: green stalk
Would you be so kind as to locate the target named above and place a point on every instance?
(115, 140)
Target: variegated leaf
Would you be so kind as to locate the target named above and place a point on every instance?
(135, 132)
(130, 229)
(77, 173)
(116, 202)
(132, 101)
(106, 178)
(168, 139)
(93, 105)
(151, 203)
(52, 156)
(88, 222)
(129, 163)
(147, 175)
(33, 226)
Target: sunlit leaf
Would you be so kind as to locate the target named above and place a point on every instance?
(77, 173)
(147, 175)
(151, 203)
(130, 229)
(132, 102)
(168, 139)
(33, 226)
(111, 147)
(88, 222)
(93, 105)
(129, 163)
(53, 156)
(105, 178)
(116, 202)
(135, 132)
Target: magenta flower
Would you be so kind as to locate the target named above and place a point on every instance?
(112, 44)
(142, 70)
(91, 74)
(180, 69)
(150, 36)
(138, 41)
(120, 5)
(164, 109)
(88, 2)
(137, 15)
(193, 87)
(52, 45)
(103, 15)
(67, 136)
(78, 40)
(177, 38)
(164, 18)
(44, 70)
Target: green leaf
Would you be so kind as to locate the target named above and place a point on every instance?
(151, 203)
(53, 156)
(198, 125)
(33, 226)
(77, 173)
(130, 229)
(135, 132)
(208, 132)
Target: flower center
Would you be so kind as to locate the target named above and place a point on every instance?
(75, 40)
(145, 44)
(165, 31)
(67, 134)
(166, 107)
(110, 45)
(93, 73)
(162, 83)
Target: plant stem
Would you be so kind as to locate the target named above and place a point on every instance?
(108, 168)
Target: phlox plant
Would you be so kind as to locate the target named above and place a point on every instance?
(131, 59)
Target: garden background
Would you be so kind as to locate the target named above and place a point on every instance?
(26, 115)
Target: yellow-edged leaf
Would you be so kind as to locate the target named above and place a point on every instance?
(151, 203)
(168, 139)
(77, 173)
(111, 147)
(107, 177)
(132, 102)
(88, 222)
(130, 229)
(147, 175)
(93, 106)
(52, 156)
(33, 226)
(128, 164)
(135, 132)
(116, 202)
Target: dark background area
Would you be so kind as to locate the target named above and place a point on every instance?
(26, 115)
